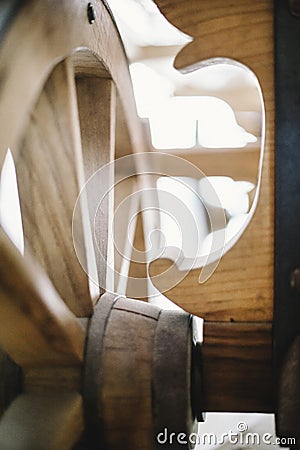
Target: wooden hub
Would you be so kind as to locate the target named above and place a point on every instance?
(140, 375)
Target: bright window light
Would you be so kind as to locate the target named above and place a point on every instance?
(185, 203)
(183, 218)
(142, 22)
(172, 126)
(174, 120)
(217, 125)
(10, 211)
(180, 122)
(150, 89)
(232, 195)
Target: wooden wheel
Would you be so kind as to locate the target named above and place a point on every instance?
(61, 96)
(62, 68)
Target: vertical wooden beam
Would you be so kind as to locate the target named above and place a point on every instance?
(97, 114)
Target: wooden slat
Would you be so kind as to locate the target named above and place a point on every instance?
(50, 174)
(138, 280)
(239, 164)
(42, 422)
(126, 221)
(124, 144)
(36, 327)
(237, 367)
(97, 111)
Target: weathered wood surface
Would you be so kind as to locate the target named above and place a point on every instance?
(127, 354)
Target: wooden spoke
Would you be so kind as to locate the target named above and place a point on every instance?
(50, 173)
(36, 327)
(246, 271)
(126, 208)
(97, 109)
(42, 422)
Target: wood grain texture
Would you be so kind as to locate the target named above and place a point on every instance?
(117, 375)
(242, 286)
(36, 329)
(210, 23)
(127, 374)
(56, 419)
(131, 390)
(50, 177)
(39, 380)
(237, 367)
(97, 110)
(54, 36)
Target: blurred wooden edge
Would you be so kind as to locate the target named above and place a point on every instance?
(97, 113)
(42, 422)
(50, 176)
(36, 327)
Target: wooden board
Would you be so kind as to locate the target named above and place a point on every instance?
(237, 367)
(242, 287)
